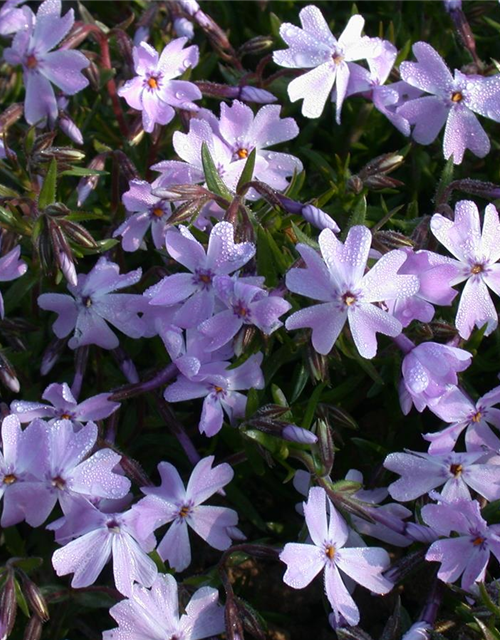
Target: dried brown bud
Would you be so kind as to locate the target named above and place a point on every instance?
(11, 115)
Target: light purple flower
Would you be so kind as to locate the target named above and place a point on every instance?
(95, 538)
(220, 386)
(11, 268)
(31, 48)
(453, 101)
(429, 370)
(314, 47)
(154, 90)
(66, 124)
(64, 406)
(92, 304)
(195, 289)
(13, 18)
(474, 417)
(477, 252)
(338, 280)
(154, 614)
(19, 487)
(245, 304)
(171, 502)
(468, 554)
(422, 472)
(364, 565)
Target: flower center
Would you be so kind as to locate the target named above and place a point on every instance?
(349, 299)
(456, 96)
(113, 526)
(242, 153)
(456, 469)
(330, 551)
(478, 541)
(240, 310)
(203, 277)
(158, 212)
(153, 82)
(477, 417)
(477, 268)
(31, 62)
(58, 482)
(65, 416)
(9, 478)
(337, 58)
(218, 389)
(185, 511)
(87, 301)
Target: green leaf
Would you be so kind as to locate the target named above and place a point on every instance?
(248, 169)
(304, 238)
(244, 505)
(446, 178)
(5, 192)
(253, 403)
(48, 191)
(311, 406)
(214, 181)
(82, 172)
(21, 600)
(358, 216)
(28, 564)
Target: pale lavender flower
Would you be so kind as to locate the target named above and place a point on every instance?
(221, 388)
(195, 290)
(171, 502)
(14, 18)
(31, 48)
(11, 267)
(246, 304)
(19, 487)
(338, 280)
(474, 417)
(154, 614)
(183, 28)
(154, 91)
(314, 47)
(477, 252)
(92, 304)
(63, 406)
(95, 538)
(429, 370)
(423, 472)
(364, 565)
(66, 124)
(468, 554)
(453, 101)
(435, 273)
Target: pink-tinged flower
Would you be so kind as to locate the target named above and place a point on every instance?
(195, 290)
(13, 19)
(453, 101)
(11, 268)
(153, 614)
(477, 252)
(327, 551)
(93, 304)
(314, 47)
(230, 141)
(423, 472)
(435, 273)
(31, 48)
(468, 554)
(220, 386)
(245, 304)
(474, 417)
(95, 538)
(337, 279)
(429, 370)
(171, 502)
(154, 91)
(19, 487)
(63, 406)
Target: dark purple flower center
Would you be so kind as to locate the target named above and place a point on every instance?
(337, 58)
(349, 298)
(204, 278)
(87, 301)
(10, 478)
(113, 525)
(58, 482)
(240, 310)
(476, 269)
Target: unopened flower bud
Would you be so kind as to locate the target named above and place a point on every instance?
(355, 185)
(341, 417)
(69, 128)
(382, 182)
(256, 45)
(236, 534)
(381, 165)
(33, 630)
(393, 239)
(254, 94)
(43, 141)
(35, 598)
(8, 375)
(64, 154)
(127, 167)
(76, 36)
(78, 234)
(189, 6)
(319, 218)
(126, 365)
(183, 28)
(325, 446)
(234, 624)
(52, 354)
(8, 605)
(487, 190)
(317, 364)
(296, 434)
(11, 115)
(89, 183)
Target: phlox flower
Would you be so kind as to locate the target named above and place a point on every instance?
(92, 303)
(220, 386)
(154, 91)
(468, 554)
(195, 290)
(477, 252)
(153, 614)
(453, 101)
(246, 304)
(423, 472)
(328, 552)
(11, 268)
(428, 372)
(63, 406)
(457, 408)
(315, 47)
(172, 503)
(91, 538)
(31, 48)
(337, 279)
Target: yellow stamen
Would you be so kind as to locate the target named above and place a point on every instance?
(477, 417)
(184, 512)
(478, 541)
(242, 153)
(153, 83)
(477, 268)
(456, 469)
(158, 212)
(330, 552)
(9, 479)
(456, 96)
